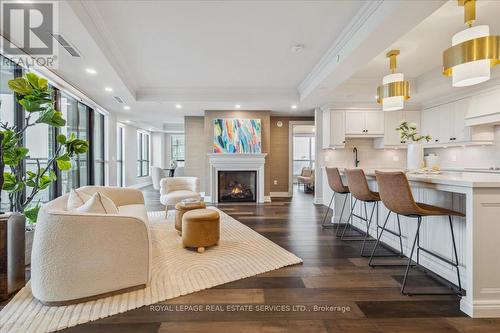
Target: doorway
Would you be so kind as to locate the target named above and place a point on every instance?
(302, 154)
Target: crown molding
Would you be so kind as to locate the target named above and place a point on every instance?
(329, 60)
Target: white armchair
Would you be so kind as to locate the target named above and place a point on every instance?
(82, 256)
(174, 190)
(156, 176)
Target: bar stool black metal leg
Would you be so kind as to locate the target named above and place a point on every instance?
(400, 240)
(369, 223)
(348, 219)
(410, 257)
(342, 211)
(378, 240)
(323, 225)
(456, 254)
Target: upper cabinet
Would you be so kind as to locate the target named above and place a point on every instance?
(333, 129)
(447, 125)
(392, 120)
(364, 123)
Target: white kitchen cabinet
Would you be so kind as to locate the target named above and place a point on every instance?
(364, 123)
(355, 122)
(333, 129)
(393, 119)
(446, 124)
(374, 123)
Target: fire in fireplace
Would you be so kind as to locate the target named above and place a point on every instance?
(237, 186)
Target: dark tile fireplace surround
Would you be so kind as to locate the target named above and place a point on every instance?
(237, 186)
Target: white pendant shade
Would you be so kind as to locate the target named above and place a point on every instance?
(397, 102)
(473, 72)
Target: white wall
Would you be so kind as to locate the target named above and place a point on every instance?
(159, 150)
(368, 156)
(470, 157)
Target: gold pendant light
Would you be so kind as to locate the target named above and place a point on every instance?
(394, 90)
(473, 53)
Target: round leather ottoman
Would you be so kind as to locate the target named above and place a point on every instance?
(200, 228)
(181, 208)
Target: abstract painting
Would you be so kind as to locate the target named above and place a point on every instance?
(237, 136)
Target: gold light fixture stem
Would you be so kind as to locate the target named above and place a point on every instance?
(469, 11)
(392, 60)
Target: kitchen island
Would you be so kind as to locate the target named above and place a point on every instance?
(477, 235)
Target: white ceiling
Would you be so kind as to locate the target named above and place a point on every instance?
(205, 54)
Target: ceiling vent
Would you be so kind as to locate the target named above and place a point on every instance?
(118, 99)
(66, 45)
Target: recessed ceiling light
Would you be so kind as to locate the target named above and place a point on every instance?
(91, 71)
(178, 106)
(128, 121)
(297, 48)
(294, 106)
(108, 89)
(126, 107)
(237, 106)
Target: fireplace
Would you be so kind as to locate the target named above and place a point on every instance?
(237, 186)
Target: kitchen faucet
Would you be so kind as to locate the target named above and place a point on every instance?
(356, 161)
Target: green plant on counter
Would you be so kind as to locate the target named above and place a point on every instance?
(408, 132)
(35, 96)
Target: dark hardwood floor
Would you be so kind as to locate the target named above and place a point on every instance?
(332, 291)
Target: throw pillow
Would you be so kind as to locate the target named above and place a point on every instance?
(76, 199)
(99, 204)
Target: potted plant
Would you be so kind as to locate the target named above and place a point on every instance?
(415, 152)
(35, 96)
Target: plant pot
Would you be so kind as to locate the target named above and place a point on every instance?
(415, 156)
(29, 245)
(12, 226)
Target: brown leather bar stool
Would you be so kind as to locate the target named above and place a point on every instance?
(358, 186)
(396, 195)
(336, 185)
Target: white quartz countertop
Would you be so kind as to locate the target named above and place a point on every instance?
(466, 179)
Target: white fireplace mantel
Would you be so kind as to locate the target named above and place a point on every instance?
(234, 162)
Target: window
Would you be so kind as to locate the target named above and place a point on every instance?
(119, 156)
(177, 147)
(303, 153)
(7, 108)
(97, 144)
(143, 154)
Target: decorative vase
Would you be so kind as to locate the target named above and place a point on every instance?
(415, 156)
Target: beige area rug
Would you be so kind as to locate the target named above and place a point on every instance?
(241, 253)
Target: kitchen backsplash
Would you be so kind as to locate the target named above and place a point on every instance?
(368, 156)
(470, 157)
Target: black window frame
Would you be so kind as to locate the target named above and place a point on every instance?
(19, 118)
(143, 172)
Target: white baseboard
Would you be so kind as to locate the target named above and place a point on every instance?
(279, 195)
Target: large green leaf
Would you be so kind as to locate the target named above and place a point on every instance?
(14, 155)
(52, 118)
(46, 180)
(63, 162)
(11, 184)
(61, 138)
(32, 214)
(20, 86)
(31, 105)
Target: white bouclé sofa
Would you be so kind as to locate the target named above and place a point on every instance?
(77, 257)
